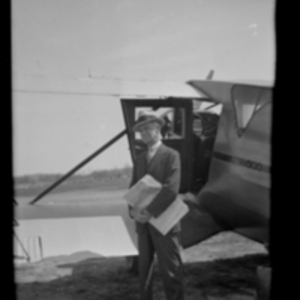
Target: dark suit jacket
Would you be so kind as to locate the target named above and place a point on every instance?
(165, 168)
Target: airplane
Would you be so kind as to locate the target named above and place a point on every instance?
(223, 137)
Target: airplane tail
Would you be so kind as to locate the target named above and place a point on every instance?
(210, 75)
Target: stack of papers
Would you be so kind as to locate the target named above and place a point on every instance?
(141, 195)
(143, 192)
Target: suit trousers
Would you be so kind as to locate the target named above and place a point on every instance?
(167, 249)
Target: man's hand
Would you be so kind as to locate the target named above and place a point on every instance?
(141, 215)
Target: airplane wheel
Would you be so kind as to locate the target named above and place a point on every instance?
(263, 275)
(132, 264)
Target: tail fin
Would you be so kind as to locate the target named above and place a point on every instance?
(210, 75)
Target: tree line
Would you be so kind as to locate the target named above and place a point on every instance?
(114, 179)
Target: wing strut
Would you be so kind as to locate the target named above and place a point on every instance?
(80, 165)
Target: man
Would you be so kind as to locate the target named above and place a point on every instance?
(163, 164)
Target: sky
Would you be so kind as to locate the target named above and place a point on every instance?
(72, 61)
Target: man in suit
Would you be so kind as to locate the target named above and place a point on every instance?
(163, 164)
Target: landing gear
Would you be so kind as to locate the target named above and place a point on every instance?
(264, 275)
(263, 280)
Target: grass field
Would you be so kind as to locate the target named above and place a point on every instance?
(223, 267)
(106, 180)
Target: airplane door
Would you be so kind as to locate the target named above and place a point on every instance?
(177, 132)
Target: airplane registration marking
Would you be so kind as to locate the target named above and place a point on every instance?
(242, 162)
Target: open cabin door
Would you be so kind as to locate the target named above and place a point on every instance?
(177, 132)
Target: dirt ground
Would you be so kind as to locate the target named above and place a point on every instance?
(222, 267)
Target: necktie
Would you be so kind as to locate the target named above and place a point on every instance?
(149, 155)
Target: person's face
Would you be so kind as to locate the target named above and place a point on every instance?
(149, 133)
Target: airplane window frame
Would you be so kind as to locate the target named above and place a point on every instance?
(242, 129)
(169, 110)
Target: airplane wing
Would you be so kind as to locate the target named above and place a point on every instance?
(197, 225)
(220, 91)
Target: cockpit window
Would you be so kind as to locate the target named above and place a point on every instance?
(247, 101)
(174, 121)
